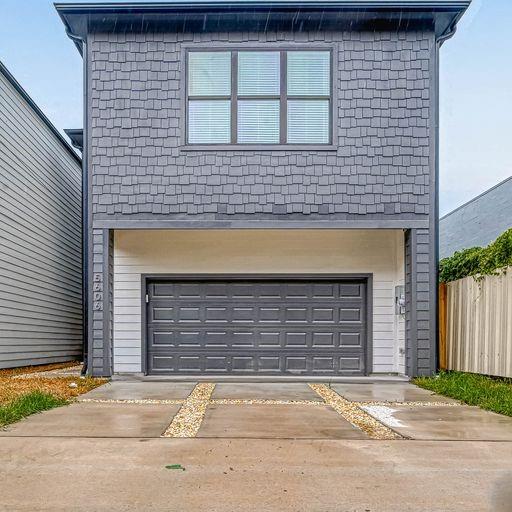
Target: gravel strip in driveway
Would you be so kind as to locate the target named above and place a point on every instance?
(354, 414)
(189, 418)
(409, 404)
(261, 401)
(148, 401)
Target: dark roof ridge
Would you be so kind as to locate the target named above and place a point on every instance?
(23, 93)
(477, 197)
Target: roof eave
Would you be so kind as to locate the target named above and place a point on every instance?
(77, 16)
(295, 4)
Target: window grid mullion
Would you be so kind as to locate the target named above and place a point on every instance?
(234, 97)
(283, 100)
(260, 97)
(208, 98)
(318, 98)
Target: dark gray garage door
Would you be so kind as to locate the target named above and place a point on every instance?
(264, 327)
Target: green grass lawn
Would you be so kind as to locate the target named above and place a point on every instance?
(24, 405)
(473, 389)
(25, 391)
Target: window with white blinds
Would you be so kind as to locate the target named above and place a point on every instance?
(263, 97)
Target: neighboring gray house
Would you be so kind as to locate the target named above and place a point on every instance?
(40, 235)
(261, 185)
(477, 222)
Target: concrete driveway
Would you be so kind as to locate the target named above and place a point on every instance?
(297, 447)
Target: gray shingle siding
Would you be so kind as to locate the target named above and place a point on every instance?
(478, 222)
(100, 302)
(380, 166)
(420, 318)
(40, 238)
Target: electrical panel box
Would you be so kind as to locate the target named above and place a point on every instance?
(400, 300)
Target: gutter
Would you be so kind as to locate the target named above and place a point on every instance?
(76, 137)
(447, 34)
(293, 4)
(452, 28)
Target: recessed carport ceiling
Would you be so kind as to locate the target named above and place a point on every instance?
(260, 15)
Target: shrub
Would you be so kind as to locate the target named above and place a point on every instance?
(478, 261)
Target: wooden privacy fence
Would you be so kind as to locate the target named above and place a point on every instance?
(475, 325)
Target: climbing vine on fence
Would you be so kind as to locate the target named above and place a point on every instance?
(478, 261)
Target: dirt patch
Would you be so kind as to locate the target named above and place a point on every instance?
(65, 387)
(23, 370)
(61, 387)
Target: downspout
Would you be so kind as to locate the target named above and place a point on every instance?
(81, 44)
(449, 32)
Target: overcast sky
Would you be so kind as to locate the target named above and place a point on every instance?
(475, 83)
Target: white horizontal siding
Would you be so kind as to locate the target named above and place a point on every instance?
(304, 251)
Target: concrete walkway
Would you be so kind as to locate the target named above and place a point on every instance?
(258, 447)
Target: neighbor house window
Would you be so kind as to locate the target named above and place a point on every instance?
(259, 97)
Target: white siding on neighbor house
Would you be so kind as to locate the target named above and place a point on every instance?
(137, 252)
(40, 240)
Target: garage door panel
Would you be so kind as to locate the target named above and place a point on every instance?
(324, 364)
(323, 315)
(352, 314)
(164, 290)
(250, 291)
(351, 364)
(254, 338)
(162, 363)
(239, 327)
(205, 312)
(351, 290)
(325, 291)
(162, 314)
(323, 339)
(297, 364)
(350, 339)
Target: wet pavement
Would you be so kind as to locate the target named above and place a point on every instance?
(449, 423)
(265, 410)
(96, 420)
(119, 390)
(386, 392)
(276, 422)
(258, 447)
(265, 391)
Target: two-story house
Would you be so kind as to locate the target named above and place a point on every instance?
(261, 184)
